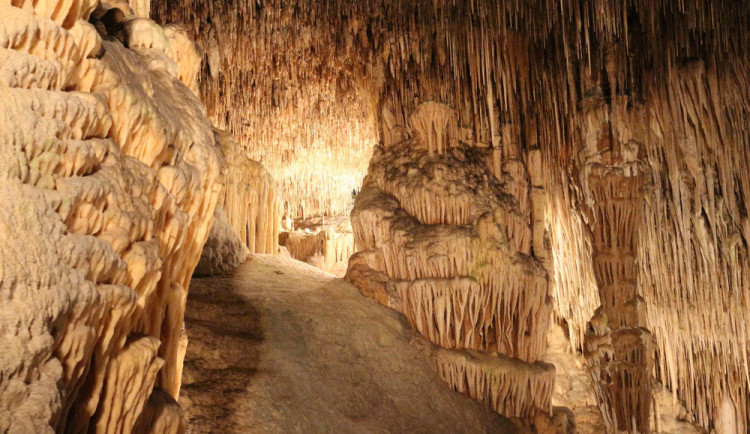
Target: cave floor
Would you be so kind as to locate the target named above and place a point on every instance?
(281, 346)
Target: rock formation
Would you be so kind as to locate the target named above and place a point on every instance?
(440, 239)
(250, 200)
(326, 244)
(252, 224)
(109, 175)
(620, 353)
(223, 251)
(297, 95)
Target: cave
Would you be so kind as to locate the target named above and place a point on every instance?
(401, 216)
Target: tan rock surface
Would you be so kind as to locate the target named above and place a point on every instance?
(250, 200)
(223, 251)
(447, 243)
(109, 177)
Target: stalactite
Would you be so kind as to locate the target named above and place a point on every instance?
(250, 199)
(694, 239)
(510, 65)
(270, 66)
(507, 385)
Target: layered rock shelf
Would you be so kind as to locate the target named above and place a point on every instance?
(441, 241)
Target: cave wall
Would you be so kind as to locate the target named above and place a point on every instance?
(657, 83)
(673, 92)
(110, 175)
(590, 84)
(250, 199)
(448, 243)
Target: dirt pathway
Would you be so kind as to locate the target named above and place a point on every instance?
(284, 347)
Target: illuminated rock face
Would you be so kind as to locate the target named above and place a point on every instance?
(440, 240)
(247, 218)
(293, 83)
(620, 353)
(110, 175)
(250, 199)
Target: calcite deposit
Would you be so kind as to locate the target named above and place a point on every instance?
(296, 93)
(110, 175)
(326, 244)
(250, 200)
(440, 239)
(247, 217)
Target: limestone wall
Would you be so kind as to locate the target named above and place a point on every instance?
(109, 175)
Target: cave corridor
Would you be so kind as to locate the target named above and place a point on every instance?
(396, 216)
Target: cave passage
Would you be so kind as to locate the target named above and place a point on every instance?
(374, 216)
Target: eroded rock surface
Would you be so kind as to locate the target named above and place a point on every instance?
(223, 251)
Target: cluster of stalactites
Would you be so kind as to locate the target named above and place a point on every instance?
(326, 246)
(687, 138)
(110, 175)
(250, 199)
(530, 72)
(508, 386)
(619, 351)
(296, 96)
(441, 240)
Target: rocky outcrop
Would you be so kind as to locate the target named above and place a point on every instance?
(109, 175)
(223, 251)
(443, 241)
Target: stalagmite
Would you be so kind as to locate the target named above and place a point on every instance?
(109, 177)
(223, 251)
(161, 414)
